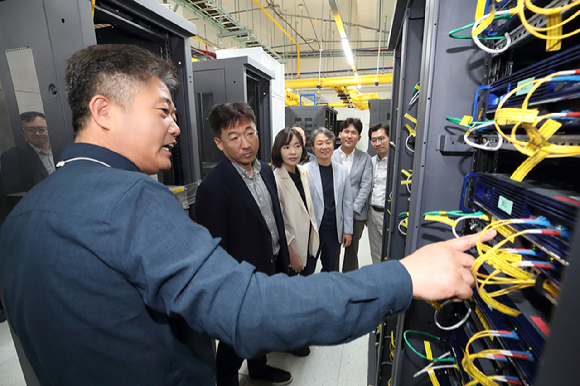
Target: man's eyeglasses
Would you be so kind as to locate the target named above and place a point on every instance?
(39, 130)
(236, 140)
(380, 139)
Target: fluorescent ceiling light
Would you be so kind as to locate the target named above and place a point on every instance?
(347, 51)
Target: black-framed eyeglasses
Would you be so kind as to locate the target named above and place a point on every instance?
(32, 130)
(381, 139)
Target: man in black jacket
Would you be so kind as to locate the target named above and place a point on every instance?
(238, 202)
(24, 166)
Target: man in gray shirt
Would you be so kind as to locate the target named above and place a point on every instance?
(238, 201)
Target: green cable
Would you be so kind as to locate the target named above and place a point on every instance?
(457, 121)
(453, 33)
(452, 360)
(453, 213)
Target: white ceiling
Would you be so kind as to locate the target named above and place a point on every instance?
(302, 20)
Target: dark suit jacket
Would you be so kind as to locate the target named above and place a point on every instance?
(225, 206)
(21, 169)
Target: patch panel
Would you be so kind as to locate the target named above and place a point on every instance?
(549, 92)
(528, 298)
(549, 284)
(458, 342)
(508, 199)
(530, 329)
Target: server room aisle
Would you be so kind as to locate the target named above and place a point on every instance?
(342, 365)
(10, 372)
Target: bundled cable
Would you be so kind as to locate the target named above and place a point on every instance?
(435, 366)
(445, 218)
(412, 131)
(520, 11)
(552, 31)
(442, 359)
(408, 181)
(415, 97)
(404, 223)
(456, 325)
(491, 354)
(482, 23)
(480, 126)
(507, 263)
(467, 121)
(538, 147)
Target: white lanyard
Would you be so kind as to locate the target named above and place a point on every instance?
(62, 163)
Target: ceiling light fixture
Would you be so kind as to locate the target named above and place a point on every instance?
(342, 32)
(347, 51)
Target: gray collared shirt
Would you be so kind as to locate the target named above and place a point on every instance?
(260, 193)
(47, 159)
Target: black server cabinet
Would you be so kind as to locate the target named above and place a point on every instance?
(37, 39)
(39, 36)
(310, 118)
(380, 111)
(240, 79)
(451, 74)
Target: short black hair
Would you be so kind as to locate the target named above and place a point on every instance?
(352, 121)
(224, 115)
(282, 139)
(114, 71)
(30, 116)
(377, 127)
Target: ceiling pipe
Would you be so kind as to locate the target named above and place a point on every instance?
(283, 30)
(364, 80)
(289, 74)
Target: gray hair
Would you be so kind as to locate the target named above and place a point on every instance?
(321, 130)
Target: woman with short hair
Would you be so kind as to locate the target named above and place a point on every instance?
(331, 197)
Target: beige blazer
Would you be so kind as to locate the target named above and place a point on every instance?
(296, 215)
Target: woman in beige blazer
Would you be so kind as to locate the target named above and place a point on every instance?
(293, 183)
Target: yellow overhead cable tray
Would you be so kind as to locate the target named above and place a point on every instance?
(292, 99)
(360, 100)
(364, 80)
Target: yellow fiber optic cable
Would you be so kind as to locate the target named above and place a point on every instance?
(519, 278)
(538, 147)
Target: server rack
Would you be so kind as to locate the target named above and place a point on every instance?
(451, 74)
(380, 112)
(240, 79)
(310, 118)
(38, 37)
